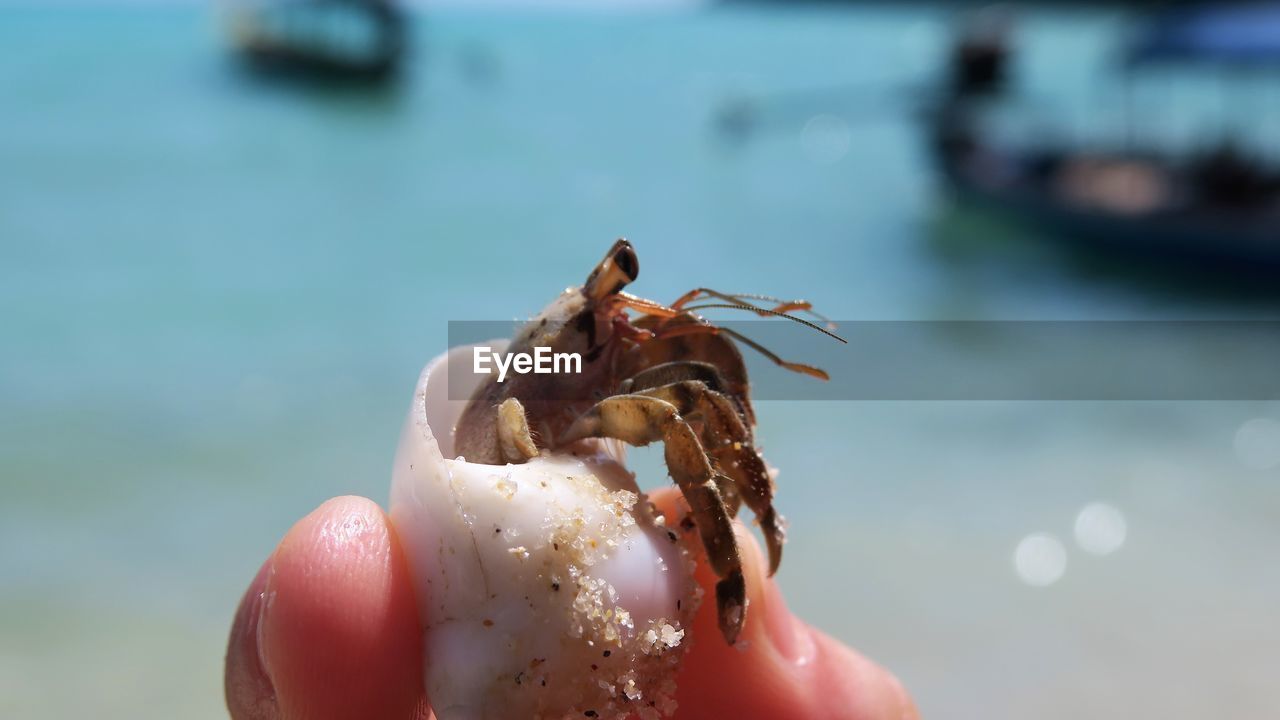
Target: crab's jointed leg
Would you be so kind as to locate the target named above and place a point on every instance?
(713, 438)
(729, 440)
(669, 332)
(710, 348)
(681, 370)
(716, 431)
(646, 306)
(675, 371)
(640, 420)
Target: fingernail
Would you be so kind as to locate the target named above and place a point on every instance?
(248, 685)
(266, 597)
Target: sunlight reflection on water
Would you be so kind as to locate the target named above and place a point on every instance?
(1100, 529)
(1040, 560)
(1257, 443)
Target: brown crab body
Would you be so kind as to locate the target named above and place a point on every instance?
(670, 376)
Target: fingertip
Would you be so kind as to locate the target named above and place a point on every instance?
(901, 701)
(781, 667)
(247, 688)
(337, 633)
(861, 688)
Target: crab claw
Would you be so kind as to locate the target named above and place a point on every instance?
(586, 426)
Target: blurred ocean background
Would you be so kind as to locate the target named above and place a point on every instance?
(216, 294)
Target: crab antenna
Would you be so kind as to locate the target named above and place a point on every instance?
(754, 309)
(798, 305)
(782, 301)
(792, 366)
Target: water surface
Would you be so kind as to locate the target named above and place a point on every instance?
(216, 293)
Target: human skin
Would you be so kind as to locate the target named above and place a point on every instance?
(329, 629)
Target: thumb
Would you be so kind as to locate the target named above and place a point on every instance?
(329, 629)
(781, 667)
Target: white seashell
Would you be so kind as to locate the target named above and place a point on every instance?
(547, 589)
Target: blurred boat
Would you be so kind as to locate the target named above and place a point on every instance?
(1240, 35)
(1216, 211)
(1129, 207)
(359, 41)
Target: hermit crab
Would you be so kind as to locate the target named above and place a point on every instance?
(667, 375)
(547, 587)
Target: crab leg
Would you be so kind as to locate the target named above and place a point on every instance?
(709, 347)
(718, 427)
(675, 371)
(640, 420)
(729, 438)
(709, 376)
(708, 329)
(680, 370)
(792, 366)
(643, 305)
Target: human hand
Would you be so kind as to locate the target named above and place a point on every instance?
(329, 629)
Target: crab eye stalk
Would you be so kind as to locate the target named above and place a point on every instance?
(624, 258)
(619, 267)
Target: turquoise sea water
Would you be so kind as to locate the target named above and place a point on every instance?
(216, 294)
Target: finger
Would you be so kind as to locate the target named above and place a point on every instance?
(329, 628)
(781, 667)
